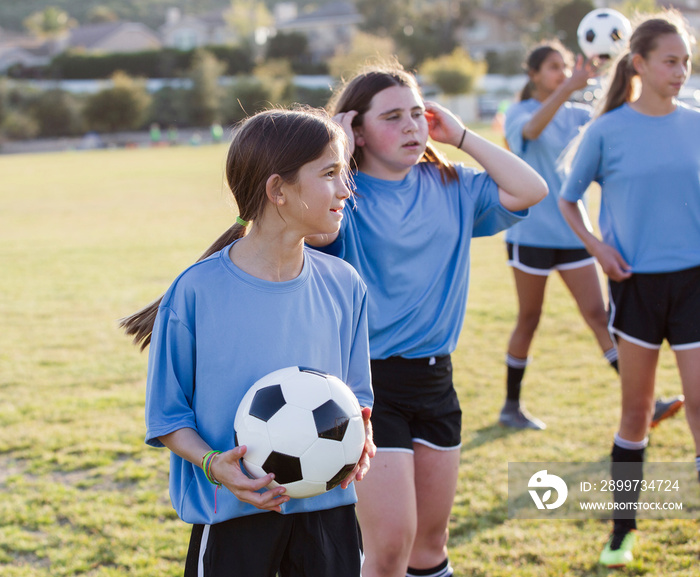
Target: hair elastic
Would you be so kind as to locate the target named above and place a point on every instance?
(461, 142)
(242, 222)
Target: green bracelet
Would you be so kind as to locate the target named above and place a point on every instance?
(206, 467)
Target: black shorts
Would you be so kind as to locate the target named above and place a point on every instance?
(314, 544)
(645, 309)
(541, 261)
(415, 402)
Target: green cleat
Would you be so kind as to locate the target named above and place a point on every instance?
(618, 550)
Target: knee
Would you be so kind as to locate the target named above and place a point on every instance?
(635, 421)
(390, 557)
(528, 321)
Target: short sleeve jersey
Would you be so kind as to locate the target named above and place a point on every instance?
(546, 226)
(218, 330)
(409, 240)
(648, 168)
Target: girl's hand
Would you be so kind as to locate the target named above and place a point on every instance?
(611, 262)
(369, 451)
(226, 468)
(345, 120)
(443, 126)
(582, 72)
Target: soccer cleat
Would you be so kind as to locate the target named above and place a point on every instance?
(665, 409)
(513, 415)
(618, 550)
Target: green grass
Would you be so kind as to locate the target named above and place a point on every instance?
(86, 238)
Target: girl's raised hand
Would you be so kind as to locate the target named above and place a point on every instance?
(582, 72)
(345, 120)
(226, 468)
(443, 126)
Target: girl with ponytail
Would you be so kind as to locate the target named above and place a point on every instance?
(644, 151)
(258, 300)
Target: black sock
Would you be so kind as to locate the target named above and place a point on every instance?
(516, 371)
(624, 519)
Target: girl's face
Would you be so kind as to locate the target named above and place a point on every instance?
(667, 67)
(393, 133)
(552, 73)
(317, 198)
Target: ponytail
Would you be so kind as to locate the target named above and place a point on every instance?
(526, 92)
(620, 87)
(140, 324)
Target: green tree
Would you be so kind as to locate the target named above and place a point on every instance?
(50, 22)
(246, 16)
(566, 19)
(246, 97)
(454, 73)
(122, 107)
(57, 113)
(365, 47)
(206, 93)
(101, 13)
(292, 46)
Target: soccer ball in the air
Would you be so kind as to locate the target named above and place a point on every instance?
(304, 426)
(602, 33)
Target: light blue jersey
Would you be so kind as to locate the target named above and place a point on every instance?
(410, 240)
(648, 168)
(219, 330)
(546, 226)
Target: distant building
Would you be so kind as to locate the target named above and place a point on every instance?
(111, 37)
(328, 28)
(23, 51)
(492, 31)
(188, 32)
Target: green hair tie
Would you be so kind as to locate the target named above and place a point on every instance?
(242, 222)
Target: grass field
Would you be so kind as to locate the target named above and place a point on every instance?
(86, 238)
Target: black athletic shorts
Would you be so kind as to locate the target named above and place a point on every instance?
(313, 544)
(645, 309)
(415, 402)
(542, 261)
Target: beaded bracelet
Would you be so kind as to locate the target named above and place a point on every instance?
(206, 467)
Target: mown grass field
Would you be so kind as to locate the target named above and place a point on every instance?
(86, 238)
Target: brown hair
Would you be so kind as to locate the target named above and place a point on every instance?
(536, 58)
(274, 141)
(357, 93)
(643, 40)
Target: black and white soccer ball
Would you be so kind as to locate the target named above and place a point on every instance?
(602, 33)
(304, 426)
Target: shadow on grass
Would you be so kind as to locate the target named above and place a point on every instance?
(488, 434)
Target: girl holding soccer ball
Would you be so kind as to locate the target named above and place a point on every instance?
(409, 238)
(258, 301)
(538, 129)
(644, 150)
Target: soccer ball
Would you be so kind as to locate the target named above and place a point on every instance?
(304, 426)
(602, 32)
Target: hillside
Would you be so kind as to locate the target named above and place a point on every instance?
(150, 12)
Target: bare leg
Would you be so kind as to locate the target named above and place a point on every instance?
(584, 285)
(689, 368)
(530, 289)
(386, 510)
(637, 375)
(436, 484)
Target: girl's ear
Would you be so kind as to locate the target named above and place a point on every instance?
(273, 189)
(359, 136)
(638, 63)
